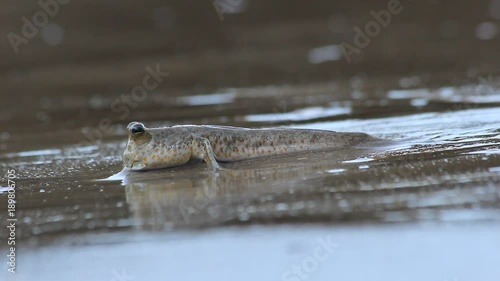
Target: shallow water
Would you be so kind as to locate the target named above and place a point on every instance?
(436, 167)
(422, 205)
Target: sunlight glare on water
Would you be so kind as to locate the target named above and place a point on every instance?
(300, 114)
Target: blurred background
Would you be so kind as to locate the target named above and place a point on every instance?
(424, 74)
(91, 52)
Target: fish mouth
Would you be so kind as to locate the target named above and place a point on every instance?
(136, 165)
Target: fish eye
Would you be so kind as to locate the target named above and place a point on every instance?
(137, 129)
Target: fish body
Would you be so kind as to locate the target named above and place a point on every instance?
(150, 148)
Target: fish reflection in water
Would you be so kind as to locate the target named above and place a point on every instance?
(199, 197)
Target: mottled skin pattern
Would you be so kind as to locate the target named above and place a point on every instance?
(152, 148)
